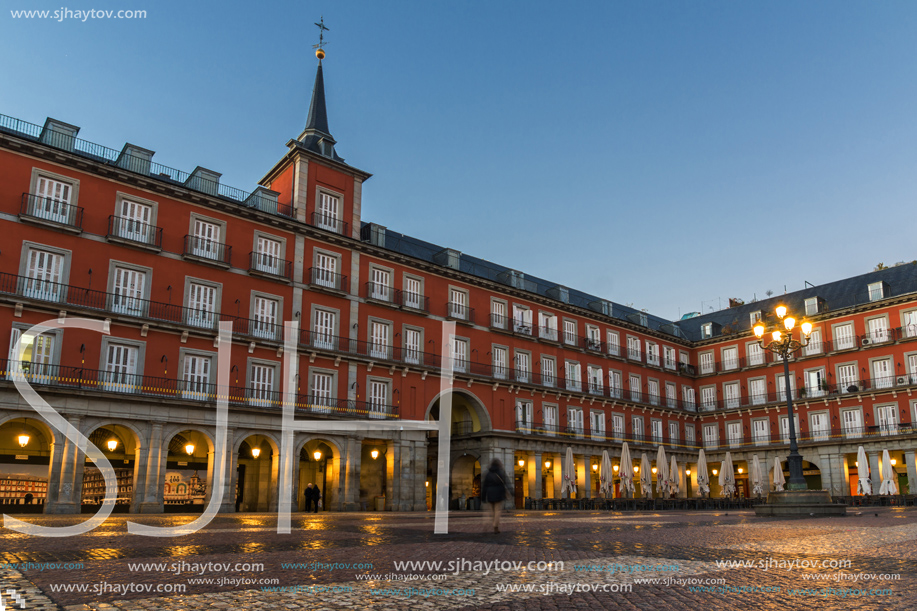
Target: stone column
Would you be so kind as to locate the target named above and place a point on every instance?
(557, 469)
(419, 475)
(68, 494)
(583, 476)
(874, 477)
(350, 474)
(54, 474)
(911, 471)
(534, 475)
(228, 502)
(836, 478)
(275, 483)
(154, 472)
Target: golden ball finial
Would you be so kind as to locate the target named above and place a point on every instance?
(320, 53)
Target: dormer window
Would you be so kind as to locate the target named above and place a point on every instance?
(754, 317)
(811, 306)
(706, 330)
(876, 291)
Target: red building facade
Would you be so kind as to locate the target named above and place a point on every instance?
(159, 257)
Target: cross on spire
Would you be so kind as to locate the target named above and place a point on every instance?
(320, 47)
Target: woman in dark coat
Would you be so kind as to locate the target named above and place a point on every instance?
(495, 490)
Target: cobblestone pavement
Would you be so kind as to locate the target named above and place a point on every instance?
(864, 562)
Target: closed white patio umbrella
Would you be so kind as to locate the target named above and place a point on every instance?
(864, 485)
(703, 478)
(673, 478)
(757, 483)
(727, 477)
(606, 477)
(627, 472)
(646, 477)
(888, 475)
(569, 475)
(662, 474)
(779, 479)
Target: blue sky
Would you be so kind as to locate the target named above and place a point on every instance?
(668, 155)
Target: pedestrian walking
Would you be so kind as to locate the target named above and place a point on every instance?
(311, 497)
(495, 490)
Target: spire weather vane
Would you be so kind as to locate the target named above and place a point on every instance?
(320, 47)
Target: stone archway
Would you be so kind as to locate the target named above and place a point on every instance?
(26, 447)
(469, 414)
(187, 479)
(258, 460)
(120, 443)
(319, 462)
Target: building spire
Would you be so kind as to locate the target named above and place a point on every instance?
(317, 136)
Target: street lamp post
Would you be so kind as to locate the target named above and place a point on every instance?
(784, 344)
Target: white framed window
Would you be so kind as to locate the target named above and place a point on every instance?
(761, 432)
(706, 362)
(912, 367)
(380, 340)
(633, 348)
(811, 306)
(38, 358)
(844, 338)
(43, 275)
(573, 374)
(671, 395)
(708, 398)
(615, 385)
(730, 358)
(652, 353)
(522, 319)
(261, 384)
(413, 340)
(265, 314)
(381, 284)
(498, 318)
(617, 426)
(121, 368)
(876, 291)
(548, 371)
(570, 335)
(550, 419)
(524, 414)
(754, 317)
(378, 397)
(731, 394)
(669, 358)
(653, 391)
(268, 256)
(636, 391)
(757, 391)
(636, 424)
(575, 421)
(202, 305)
(706, 330)
(883, 373)
(656, 430)
(128, 289)
(325, 271)
(597, 424)
(734, 434)
(500, 362)
(673, 432)
(53, 201)
(595, 376)
(321, 391)
(816, 382)
(205, 239)
(458, 303)
(689, 434)
(459, 353)
(593, 338)
(877, 329)
(196, 376)
(328, 212)
(848, 379)
(909, 323)
(523, 366)
(711, 436)
(324, 329)
(887, 419)
(613, 342)
(134, 222)
(412, 296)
(687, 395)
(819, 426)
(815, 344)
(755, 354)
(781, 386)
(853, 422)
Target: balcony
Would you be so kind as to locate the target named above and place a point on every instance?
(272, 267)
(134, 233)
(413, 301)
(53, 212)
(379, 292)
(329, 223)
(459, 312)
(319, 277)
(522, 327)
(207, 251)
(594, 345)
(498, 322)
(548, 334)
